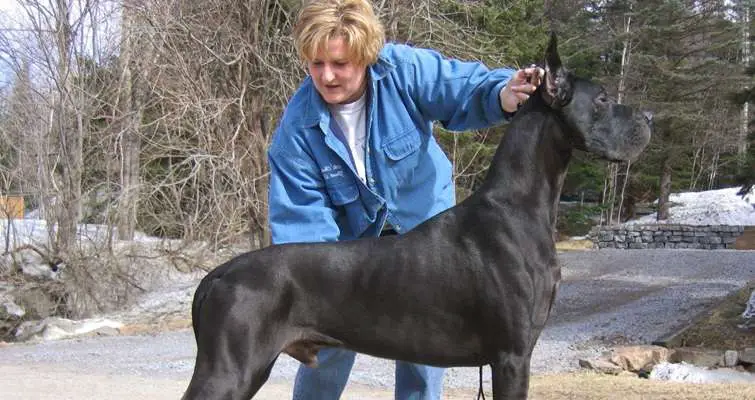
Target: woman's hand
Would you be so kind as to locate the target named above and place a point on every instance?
(520, 87)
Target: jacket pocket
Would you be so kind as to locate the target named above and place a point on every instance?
(403, 156)
(343, 194)
(402, 146)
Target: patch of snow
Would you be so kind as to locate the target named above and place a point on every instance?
(54, 328)
(689, 373)
(35, 232)
(749, 312)
(712, 207)
(25, 237)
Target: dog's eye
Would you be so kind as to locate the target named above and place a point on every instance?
(602, 98)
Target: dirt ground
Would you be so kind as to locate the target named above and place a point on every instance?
(46, 383)
(26, 379)
(747, 240)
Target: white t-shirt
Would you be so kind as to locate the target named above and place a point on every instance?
(351, 119)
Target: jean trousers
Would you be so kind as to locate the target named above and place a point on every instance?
(327, 381)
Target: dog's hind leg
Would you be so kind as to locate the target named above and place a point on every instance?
(259, 379)
(212, 380)
(238, 341)
(511, 376)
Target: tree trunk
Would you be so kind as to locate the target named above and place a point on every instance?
(713, 175)
(745, 114)
(69, 133)
(665, 187)
(130, 106)
(613, 170)
(622, 195)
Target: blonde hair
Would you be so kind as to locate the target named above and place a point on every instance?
(354, 20)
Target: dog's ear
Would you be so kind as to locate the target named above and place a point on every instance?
(557, 86)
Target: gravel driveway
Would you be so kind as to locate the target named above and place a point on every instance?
(607, 297)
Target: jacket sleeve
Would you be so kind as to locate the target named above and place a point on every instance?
(299, 207)
(461, 95)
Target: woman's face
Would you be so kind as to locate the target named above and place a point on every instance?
(338, 79)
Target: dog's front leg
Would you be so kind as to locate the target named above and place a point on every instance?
(511, 376)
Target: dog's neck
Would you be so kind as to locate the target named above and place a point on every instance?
(530, 164)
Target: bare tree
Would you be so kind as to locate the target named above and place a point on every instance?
(54, 29)
(613, 168)
(217, 80)
(134, 57)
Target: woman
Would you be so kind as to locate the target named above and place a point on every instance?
(354, 155)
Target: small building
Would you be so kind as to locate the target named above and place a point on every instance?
(11, 207)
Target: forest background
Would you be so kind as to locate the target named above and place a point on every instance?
(153, 116)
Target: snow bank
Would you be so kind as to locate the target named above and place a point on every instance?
(713, 207)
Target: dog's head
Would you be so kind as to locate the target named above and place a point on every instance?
(594, 121)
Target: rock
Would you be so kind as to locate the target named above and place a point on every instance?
(600, 365)
(605, 236)
(698, 357)
(28, 329)
(634, 358)
(747, 356)
(10, 311)
(33, 265)
(11, 314)
(38, 270)
(37, 303)
(106, 331)
(730, 358)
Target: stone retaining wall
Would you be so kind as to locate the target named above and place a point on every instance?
(710, 237)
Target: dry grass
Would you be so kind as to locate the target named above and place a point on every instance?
(582, 386)
(717, 328)
(592, 386)
(42, 382)
(574, 245)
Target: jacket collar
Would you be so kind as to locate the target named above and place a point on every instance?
(316, 111)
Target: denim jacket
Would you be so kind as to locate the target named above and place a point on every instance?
(315, 193)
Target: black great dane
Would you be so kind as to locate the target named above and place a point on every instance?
(471, 286)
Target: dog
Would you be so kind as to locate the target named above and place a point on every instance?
(472, 286)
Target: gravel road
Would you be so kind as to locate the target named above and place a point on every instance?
(606, 298)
